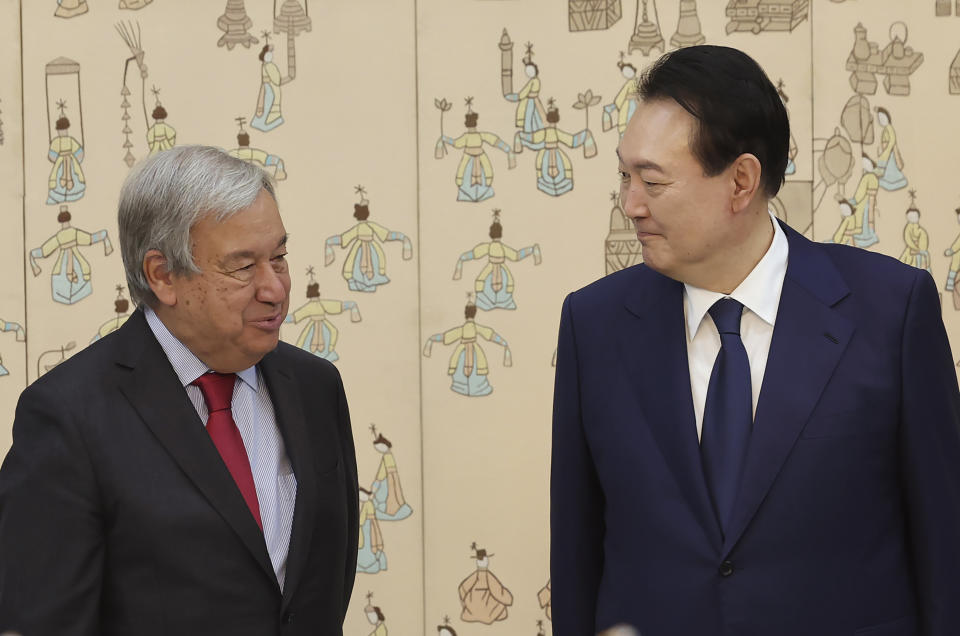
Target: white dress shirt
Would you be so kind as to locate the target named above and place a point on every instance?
(759, 293)
(253, 413)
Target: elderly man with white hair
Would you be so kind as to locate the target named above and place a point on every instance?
(188, 473)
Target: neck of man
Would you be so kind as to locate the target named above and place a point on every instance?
(736, 259)
(216, 361)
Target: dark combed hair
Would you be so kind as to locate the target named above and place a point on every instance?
(737, 108)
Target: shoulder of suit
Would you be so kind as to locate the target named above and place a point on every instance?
(611, 289)
(858, 266)
(73, 381)
(617, 281)
(288, 354)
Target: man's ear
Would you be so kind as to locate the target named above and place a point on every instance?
(747, 175)
(159, 277)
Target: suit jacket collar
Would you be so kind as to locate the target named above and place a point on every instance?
(288, 407)
(809, 338)
(155, 392)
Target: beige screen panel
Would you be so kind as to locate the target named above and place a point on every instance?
(427, 119)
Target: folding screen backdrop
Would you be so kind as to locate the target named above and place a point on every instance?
(439, 159)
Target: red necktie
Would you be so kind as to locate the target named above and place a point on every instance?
(217, 389)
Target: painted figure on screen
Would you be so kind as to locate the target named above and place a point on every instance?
(318, 335)
(121, 309)
(889, 159)
(370, 555)
(375, 617)
(365, 266)
(529, 115)
(474, 177)
(618, 113)
(954, 253)
(916, 248)
(387, 493)
(495, 284)
(19, 334)
(483, 598)
(468, 367)
(271, 163)
(70, 279)
(161, 135)
(554, 168)
(67, 181)
(268, 115)
(847, 227)
(865, 205)
(543, 598)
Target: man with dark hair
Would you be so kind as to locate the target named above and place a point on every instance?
(187, 473)
(753, 434)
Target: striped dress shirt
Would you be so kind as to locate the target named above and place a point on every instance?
(253, 413)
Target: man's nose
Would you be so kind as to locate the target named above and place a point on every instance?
(271, 287)
(634, 201)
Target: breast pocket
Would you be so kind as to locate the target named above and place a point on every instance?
(866, 420)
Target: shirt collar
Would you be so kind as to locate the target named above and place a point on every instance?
(186, 365)
(759, 292)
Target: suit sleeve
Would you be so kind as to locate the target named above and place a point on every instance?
(930, 447)
(576, 499)
(51, 528)
(353, 508)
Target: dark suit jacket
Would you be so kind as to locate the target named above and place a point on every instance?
(118, 517)
(848, 516)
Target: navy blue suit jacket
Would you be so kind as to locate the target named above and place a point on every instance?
(848, 516)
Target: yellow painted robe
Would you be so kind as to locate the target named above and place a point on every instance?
(362, 236)
(261, 157)
(916, 242)
(316, 311)
(270, 74)
(112, 325)
(381, 630)
(388, 471)
(845, 231)
(475, 358)
(888, 143)
(65, 147)
(552, 137)
(67, 241)
(955, 254)
(161, 136)
(529, 97)
(367, 511)
(472, 144)
(484, 598)
(627, 94)
(866, 190)
(497, 253)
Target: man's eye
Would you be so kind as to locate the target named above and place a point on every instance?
(623, 175)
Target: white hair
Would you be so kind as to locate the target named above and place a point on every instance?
(168, 193)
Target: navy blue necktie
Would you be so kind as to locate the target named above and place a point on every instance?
(728, 413)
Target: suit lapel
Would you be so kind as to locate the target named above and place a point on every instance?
(654, 349)
(809, 339)
(288, 407)
(155, 392)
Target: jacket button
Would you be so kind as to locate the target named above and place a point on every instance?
(726, 568)
(288, 618)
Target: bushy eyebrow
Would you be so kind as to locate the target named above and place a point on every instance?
(642, 164)
(242, 254)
